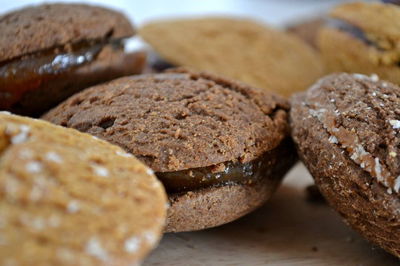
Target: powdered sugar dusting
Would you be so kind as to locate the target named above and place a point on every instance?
(358, 154)
(124, 154)
(94, 248)
(150, 237)
(360, 76)
(73, 206)
(374, 78)
(132, 244)
(395, 124)
(33, 167)
(397, 184)
(333, 139)
(22, 136)
(54, 157)
(100, 170)
(149, 171)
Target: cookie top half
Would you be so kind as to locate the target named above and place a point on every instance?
(46, 26)
(179, 120)
(361, 116)
(67, 198)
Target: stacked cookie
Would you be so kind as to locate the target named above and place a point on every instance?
(186, 150)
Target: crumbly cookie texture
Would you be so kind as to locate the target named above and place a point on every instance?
(37, 28)
(239, 49)
(67, 198)
(347, 130)
(362, 118)
(179, 120)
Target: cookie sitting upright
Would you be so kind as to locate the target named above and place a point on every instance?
(48, 52)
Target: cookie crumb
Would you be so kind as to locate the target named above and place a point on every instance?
(177, 133)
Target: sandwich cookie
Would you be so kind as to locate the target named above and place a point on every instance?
(48, 52)
(219, 147)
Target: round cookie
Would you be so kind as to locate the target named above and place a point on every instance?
(219, 147)
(59, 49)
(356, 39)
(236, 48)
(347, 131)
(67, 198)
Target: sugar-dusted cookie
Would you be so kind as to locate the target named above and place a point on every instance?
(67, 198)
(347, 130)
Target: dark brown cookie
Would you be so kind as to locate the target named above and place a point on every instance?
(196, 131)
(58, 49)
(347, 130)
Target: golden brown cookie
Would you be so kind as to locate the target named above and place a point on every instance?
(220, 147)
(363, 38)
(236, 48)
(67, 198)
(347, 130)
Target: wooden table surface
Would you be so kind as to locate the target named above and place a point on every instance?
(288, 230)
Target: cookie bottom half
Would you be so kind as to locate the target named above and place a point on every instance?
(216, 205)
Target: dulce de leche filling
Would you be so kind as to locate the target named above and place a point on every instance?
(269, 164)
(21, 75)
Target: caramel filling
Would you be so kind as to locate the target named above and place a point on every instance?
(20, 75)
(266, 165)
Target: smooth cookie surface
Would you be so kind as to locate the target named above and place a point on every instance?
(236, 48)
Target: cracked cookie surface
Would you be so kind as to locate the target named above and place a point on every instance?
(347, 130)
